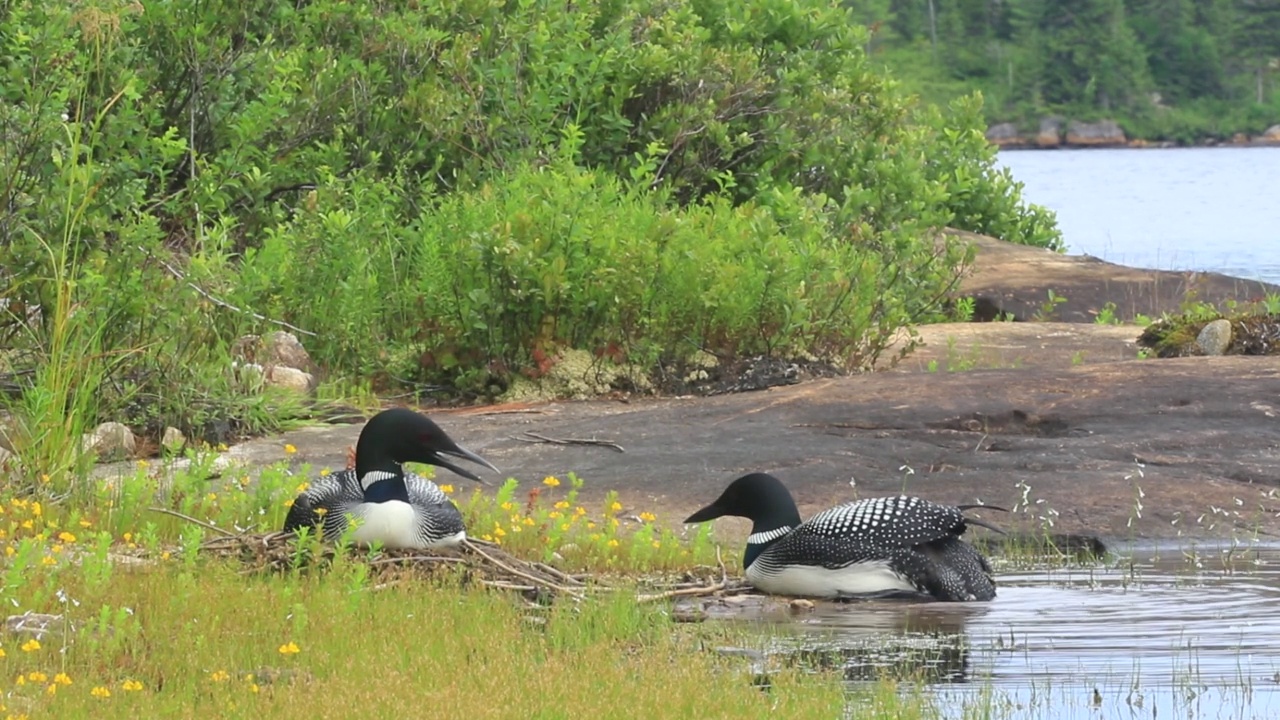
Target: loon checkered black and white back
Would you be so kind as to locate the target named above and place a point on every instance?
(392, 507)
(871, 548)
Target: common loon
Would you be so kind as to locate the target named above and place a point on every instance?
(880, 547)
(395, 508)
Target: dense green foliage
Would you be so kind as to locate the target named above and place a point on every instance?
(1167, 69)
(442, 191)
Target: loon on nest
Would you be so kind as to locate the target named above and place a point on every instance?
(880, 547)
(393, 507)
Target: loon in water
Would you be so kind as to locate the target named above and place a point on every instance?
(391, 507)
(881, 547)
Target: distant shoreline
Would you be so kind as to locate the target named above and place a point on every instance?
(1058, 133)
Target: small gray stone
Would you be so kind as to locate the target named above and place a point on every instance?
(291, 379)
(173, 440)
(112, 439)
(1215, 338)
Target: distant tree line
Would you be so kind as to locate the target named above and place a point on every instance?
(1215, 63)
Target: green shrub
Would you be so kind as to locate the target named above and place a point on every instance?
(454, 189)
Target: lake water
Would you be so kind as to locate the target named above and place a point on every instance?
(1168, 632)
(1209, 209)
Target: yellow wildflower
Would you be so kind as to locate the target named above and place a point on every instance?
(1, 652)
(253, 688)
(22, 680)
(66, 537)
(613, 542)
(487, 537)
(564, 527)
(212, 497)
(325, 471)
(26, 525)
(290, 648)
(86, 524)
(62, 679)
(51, 690)
(143, 464)
(100, 692)
(164, 555)
(579, 511)
(508, 506)
(57, 548)
(591, 525)
(131, 685)
(288, 503)
(446, 489)
(656, 544)
(303, 487)
(553, 514)
(562, 505)
(45, 479)
(528, 521)
(289, 449)
(36, 676)
(128, 537)
(9, 551)
(647, 517)
(321, 510)
(551, 481)
(219, 676)
(36, 509)
(499, 532)
(31, 645)
(222, 447)
(615, 507)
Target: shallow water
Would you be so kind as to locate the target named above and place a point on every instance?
(1168, 209)
(1165, 636)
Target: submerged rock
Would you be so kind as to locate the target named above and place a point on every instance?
(1215, 337)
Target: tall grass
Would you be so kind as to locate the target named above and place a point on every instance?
(54, 413)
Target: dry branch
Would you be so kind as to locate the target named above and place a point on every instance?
(537, 439)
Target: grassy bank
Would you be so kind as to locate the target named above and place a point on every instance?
(145, 624)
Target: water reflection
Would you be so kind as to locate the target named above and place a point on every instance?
(1171, 633)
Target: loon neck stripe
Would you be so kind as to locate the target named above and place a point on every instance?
(768, 536)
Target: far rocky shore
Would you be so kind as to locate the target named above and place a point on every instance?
(1056, 132)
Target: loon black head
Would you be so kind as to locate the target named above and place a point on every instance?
(759, 497)
(400, 435)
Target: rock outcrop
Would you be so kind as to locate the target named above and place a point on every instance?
(1270, 137)
(1050, 135)
(1005, 135)
(1104, 133)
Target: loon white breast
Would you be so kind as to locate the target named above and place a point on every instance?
(390, 507)
(881, 546)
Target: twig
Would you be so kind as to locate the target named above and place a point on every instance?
(188, 518)
(558, 574)
(518, 573)
(223, 303)
(693, 591)
(537, 439)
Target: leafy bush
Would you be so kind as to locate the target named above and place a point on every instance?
(453, 189)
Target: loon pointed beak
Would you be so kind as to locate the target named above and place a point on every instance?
(710, 512)
(464, 454)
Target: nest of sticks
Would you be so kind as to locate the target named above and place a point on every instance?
(475, 561)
